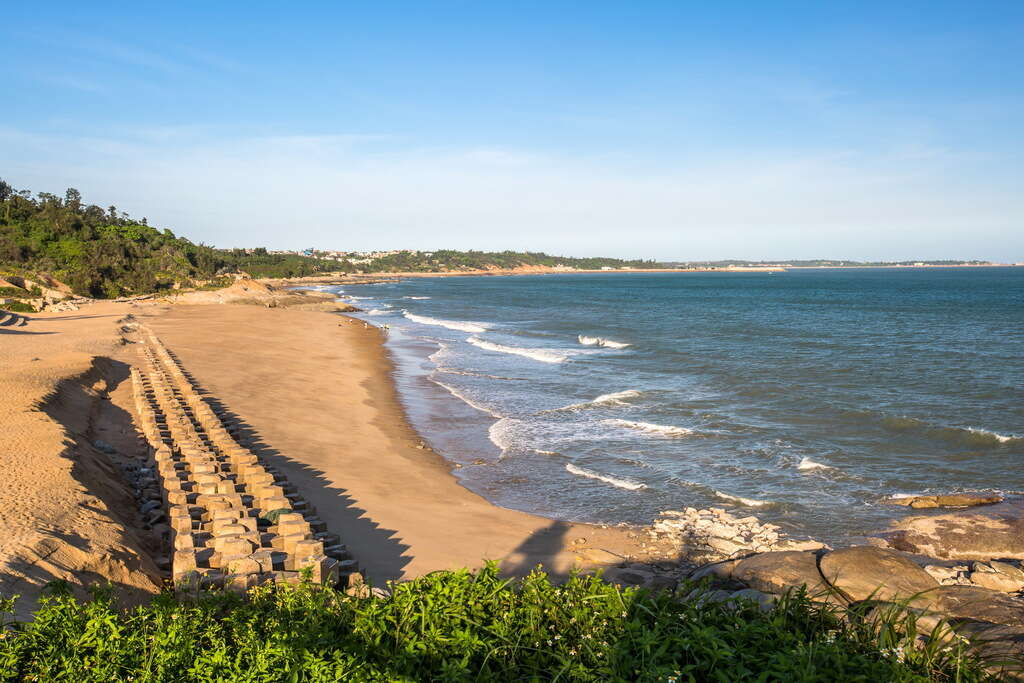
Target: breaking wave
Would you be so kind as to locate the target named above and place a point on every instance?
(378, 311)
(416, 298)
(604, 399)
(622, 483)
(972, 436)
(749, 502)
(461, 326)
(542, 355)
(662, 430)
(808, 465)
(601, 341)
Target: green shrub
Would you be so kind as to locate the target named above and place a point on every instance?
(458, 626)
(18, 307)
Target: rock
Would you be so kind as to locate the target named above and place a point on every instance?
(971, 602)
(790, 544)
(960, 500)
(724, 546)
(628, 577)
(716, 570)
(976, 534)
(779, 572)
(998, 576)
(944, 575)
(863, 572)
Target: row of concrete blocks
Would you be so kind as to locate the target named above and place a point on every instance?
(234, 522)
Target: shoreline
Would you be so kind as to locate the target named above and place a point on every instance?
(328, 415)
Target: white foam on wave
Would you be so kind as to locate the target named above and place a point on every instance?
(808, 465)
(749, 502)
(416, 298)
(601, 341)
(621, 482)
(604, 399)
(465, 399)
(460, 325)
(378, 311)
(650, 428)
(542, 355)
(1001, 438)
(500, 433)
(542, 452)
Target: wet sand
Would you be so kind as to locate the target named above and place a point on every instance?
(315, 395)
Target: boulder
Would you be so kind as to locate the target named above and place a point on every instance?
(973, 603)
(863, 572)
(998, 576)
(975, 534)
(781, 571)
(950, 500)
(716, 570)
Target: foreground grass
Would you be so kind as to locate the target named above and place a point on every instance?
(461, 626)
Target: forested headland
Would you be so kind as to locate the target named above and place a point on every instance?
(105, 253)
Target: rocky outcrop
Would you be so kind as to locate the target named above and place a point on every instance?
(780, 571)
(993, 531)
(952, 500)
(865, 572)
(715, 534)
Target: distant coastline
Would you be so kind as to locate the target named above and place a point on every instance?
(365, 278)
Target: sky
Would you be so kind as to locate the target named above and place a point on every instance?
(668, 130)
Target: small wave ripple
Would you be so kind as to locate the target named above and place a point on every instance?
(621, 482)
(601, 341)
(650, 428)
(459, 325)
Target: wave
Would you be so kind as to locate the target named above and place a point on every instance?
(378, 311)
(604, 399)
(973, 436)
(540, 452)
(749, 502)
(808, 465)
(468, 373)
(500, 433)
(622, 483)
(988, 434)
(601, 341)
(662, 430)
(461, 326)
(416, 298)
(542, 355)
(465, 399)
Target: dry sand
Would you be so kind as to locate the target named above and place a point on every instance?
(65, 511)
(315, 394)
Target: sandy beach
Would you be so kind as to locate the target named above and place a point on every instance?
(314, 395)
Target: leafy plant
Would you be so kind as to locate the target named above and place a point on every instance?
(459, 626)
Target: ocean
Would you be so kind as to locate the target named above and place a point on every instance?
(807, 397)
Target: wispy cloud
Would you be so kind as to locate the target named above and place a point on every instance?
(363, 191)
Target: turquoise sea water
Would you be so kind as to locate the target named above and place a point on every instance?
(806, 397)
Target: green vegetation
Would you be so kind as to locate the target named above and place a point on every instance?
(105, 253)
(17, 307)
(462, 626)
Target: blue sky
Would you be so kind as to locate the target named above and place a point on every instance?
(667, 130)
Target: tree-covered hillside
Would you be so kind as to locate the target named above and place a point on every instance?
(105, 253)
